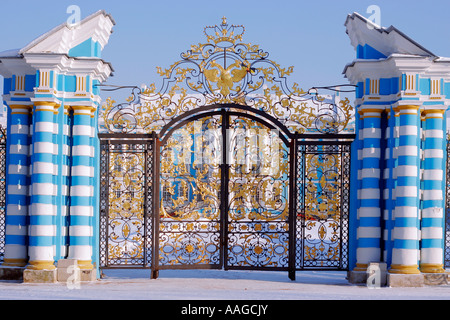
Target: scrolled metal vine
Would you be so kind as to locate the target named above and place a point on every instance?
(225, 70)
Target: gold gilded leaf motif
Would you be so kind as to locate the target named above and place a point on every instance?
(224, 70)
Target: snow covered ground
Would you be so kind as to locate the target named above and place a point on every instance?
(216, 285)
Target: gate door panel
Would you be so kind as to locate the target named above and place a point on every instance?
(190, 184)
(258, 193)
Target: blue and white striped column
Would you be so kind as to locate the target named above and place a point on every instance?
(82, 188)
(405, 253)
(432, 229)
(17, 198)
(43, 209)
(369, 212)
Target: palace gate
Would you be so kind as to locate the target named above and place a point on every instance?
(226, 167)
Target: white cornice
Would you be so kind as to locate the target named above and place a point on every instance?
(61, 39)
(396, 65)
(16, 66)
(386, 40)
(64, 64)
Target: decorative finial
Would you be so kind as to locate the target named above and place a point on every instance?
(224, 33)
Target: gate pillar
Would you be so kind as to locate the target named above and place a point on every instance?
(51, 91)
(395, 74)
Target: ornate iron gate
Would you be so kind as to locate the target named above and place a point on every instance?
(224, 190)
(224, 199)
(248, 173)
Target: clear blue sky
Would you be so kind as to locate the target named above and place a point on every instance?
(309, 35)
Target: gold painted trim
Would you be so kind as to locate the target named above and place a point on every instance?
(15, 262)
(406, 107)
(41, 265)
(431, 114)
(85, 265)
(432, 268)
(361, 267)
(50, 104)
(47, 103)
(401, 269)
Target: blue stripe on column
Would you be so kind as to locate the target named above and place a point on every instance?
(433, 190)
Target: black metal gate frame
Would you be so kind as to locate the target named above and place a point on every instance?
(152, 211)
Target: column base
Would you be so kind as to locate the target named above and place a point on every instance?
(85, 265)
(41, 265)
(432, 268)
(15, 263)
(401, 269)
(361, 267)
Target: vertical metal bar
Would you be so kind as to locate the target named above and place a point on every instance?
(303, 154)
(341, 217)
(104, 214)
(292, 215)
(148, 196)
(224, 191)
(156, 207)
(145, 148)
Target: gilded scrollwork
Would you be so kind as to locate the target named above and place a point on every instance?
(190, 194)
(258, 210)
(322, 220)
(224, 70)
(126, 206)
(249, 211)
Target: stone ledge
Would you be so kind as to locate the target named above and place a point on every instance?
(39, 276)
(435, 279)
(397, 280)
(357, 277)
(68, 269)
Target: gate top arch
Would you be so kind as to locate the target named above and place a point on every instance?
(226, 71)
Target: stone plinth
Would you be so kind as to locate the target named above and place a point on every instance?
(395, 280)
(39, 276)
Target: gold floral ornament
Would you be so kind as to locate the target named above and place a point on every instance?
(225, 70)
